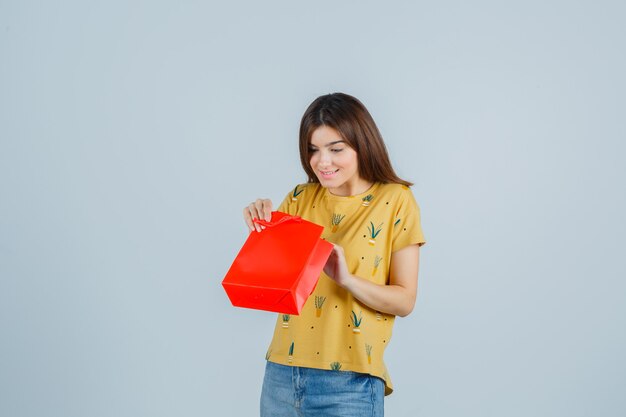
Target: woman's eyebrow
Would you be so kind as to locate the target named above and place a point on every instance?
(329, 144)
(334, 143)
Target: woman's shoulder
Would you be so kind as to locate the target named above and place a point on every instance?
(397, 196)
(395, 190)
(309, 186)
(303, 191)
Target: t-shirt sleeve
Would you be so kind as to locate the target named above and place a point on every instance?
(407, 229)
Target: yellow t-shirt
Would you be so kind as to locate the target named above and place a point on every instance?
(334, 330)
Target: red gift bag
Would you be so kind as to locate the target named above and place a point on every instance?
(278, 268)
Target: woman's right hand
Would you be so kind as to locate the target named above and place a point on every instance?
(260, 209)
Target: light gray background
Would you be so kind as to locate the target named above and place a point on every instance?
(133, 133)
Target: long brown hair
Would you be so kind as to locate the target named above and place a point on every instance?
(350, 118)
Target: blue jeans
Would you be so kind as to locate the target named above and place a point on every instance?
(291, 391)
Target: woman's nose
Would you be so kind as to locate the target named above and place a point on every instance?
(325, 158)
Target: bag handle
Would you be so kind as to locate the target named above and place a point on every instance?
(283, 219)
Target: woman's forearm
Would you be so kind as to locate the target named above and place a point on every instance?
(390, 299)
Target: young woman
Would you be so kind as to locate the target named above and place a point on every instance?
(329, 360)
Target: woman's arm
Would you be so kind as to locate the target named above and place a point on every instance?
(397, 298)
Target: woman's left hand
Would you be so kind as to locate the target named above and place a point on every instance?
(397, 297)
(337, 268)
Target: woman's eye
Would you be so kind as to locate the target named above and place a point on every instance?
(312, 150)
(336, 150)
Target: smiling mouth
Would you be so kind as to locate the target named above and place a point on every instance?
(329, 172)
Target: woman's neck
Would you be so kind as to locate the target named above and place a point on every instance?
(354, 188)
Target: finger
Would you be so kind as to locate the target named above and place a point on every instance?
(258, 206)
(248, 216)
(254, 213)
(264, 209)
(267, 209)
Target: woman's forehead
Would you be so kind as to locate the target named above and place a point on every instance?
(325, 136)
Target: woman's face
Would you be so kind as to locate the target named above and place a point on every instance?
(335, 163)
